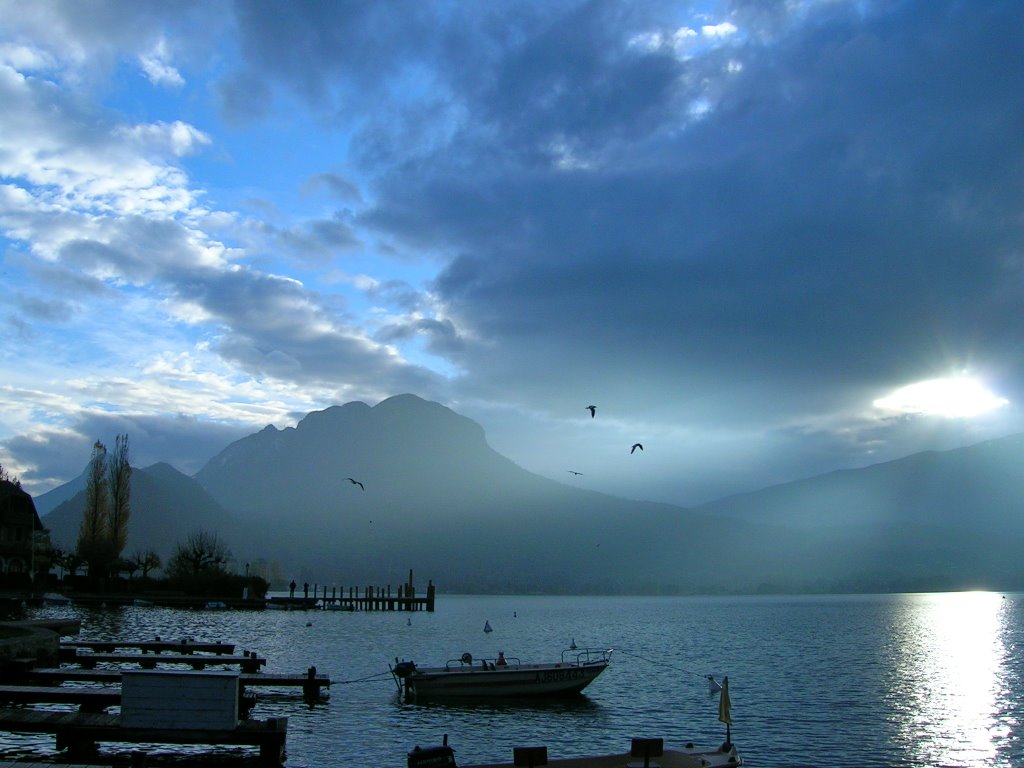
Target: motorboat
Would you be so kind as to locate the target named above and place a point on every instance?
(501, 676)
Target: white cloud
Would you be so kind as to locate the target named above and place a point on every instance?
(725, 29)
(25, 58)
(157, 68)
(178, 137)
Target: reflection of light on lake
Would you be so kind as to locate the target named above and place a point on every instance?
(948, 673)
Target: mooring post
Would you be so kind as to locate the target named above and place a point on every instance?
(310, 689)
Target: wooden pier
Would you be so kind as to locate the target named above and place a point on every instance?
(91, 699)
(311, 682)
(368, 598)
(80, 732)
(247, 662)
(87, 698)
(150, 646)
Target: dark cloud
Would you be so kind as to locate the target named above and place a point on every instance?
(182, 441)
(441, 335)
(317, 242)
(47, 310)
(337, 185)
(839, 220)
(330, 54)
(273, 326)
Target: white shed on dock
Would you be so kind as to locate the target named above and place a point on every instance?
(185, 700)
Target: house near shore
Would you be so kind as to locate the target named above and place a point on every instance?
(18, 519)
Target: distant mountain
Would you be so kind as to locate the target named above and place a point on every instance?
(46, 502)
(440, 500)
(937, 518)
(434, 497)
(166, 506)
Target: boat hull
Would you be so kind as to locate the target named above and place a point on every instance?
(512, 681)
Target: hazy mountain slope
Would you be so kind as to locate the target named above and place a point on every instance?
(951, 514)
(46, 502)
(439, 500)
(166, 506)
(977, 487)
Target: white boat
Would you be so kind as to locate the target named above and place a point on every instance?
(55, 598)
(467, 677)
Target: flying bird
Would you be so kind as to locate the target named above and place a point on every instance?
(592, 409)
(356, 482)
(635, 446)
(574, 472)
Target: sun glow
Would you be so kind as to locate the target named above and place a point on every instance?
(954, 397)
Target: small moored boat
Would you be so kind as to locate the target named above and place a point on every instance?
(503, 676)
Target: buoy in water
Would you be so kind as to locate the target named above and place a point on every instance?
(487, 627)
(572, 645)
(713, 685)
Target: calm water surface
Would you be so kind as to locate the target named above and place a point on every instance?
(880, 680)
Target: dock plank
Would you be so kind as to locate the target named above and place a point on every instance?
(310, 682)
(152, 646)
(75, 729)
(88, 699)
(248, 662)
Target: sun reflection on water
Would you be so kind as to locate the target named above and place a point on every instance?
(948, 676)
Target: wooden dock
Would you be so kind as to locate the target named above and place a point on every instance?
(92, 699)
(368, 598)
(87, 698)
(247, 662)
(80, 732)
(151, 646)
(311, 682)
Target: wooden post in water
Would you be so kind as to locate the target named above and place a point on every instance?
(430, 595)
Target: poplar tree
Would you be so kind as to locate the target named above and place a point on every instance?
(93, 537)
(119, 473)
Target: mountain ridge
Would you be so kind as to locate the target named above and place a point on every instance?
(437, 498)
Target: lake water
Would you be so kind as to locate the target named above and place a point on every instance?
(880, 680)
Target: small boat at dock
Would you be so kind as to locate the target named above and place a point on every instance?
(469, 677)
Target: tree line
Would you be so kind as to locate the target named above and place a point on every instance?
(200, 561)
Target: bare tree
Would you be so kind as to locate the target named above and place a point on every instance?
(119, 473)
(146, 561)
(93, 538)
(202, 553)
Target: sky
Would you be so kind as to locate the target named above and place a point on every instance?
(767, 240)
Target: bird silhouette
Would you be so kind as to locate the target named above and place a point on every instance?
(592, 409)
(635, 446)
(356, 482)
(574, 472)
